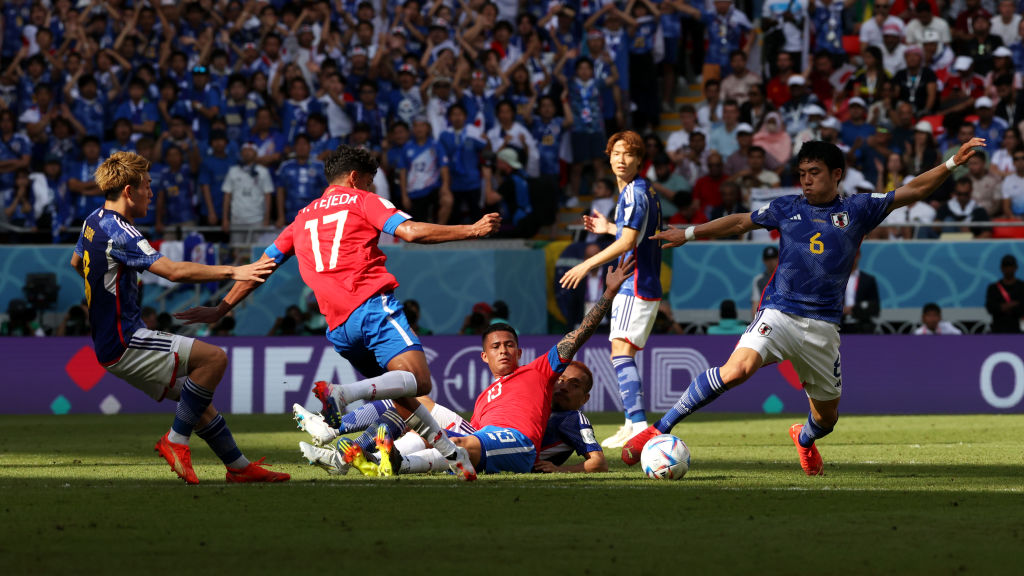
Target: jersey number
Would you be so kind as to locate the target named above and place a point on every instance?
(85, 271)
(817, 246)
(314, 238)
(494, 392)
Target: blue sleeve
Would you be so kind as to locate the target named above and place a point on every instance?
(205, 174)
(768, 215)
(134, 251)
(874, 207)
(276, 255)
(213, 99)
(122, 112)
(394, 222)
(557, 363)
(442, 155)
(149, 112)
(79, 249)
(633, 205)
(576, 431)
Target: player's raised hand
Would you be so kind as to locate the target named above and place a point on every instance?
(617, 275)
(487, 225)
(255, 272)
(967, 150)
(597, 223)
(574, 276)
(671, 237)
(200, 315)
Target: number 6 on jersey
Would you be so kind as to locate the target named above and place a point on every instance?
(314, 238)
(817, 246)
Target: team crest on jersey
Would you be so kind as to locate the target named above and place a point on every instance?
(841, 219)
(764, 329)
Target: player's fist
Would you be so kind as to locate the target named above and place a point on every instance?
(254, 272)
(487, 225)
(967, 150)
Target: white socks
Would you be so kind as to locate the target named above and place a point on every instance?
(424, 461)
(177, 438)
(395, 384)
(410, 444)
(446, 418)
(424, 424)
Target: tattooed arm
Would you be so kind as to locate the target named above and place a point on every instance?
(616, 277)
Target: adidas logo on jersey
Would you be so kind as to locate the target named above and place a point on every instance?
(797, 217)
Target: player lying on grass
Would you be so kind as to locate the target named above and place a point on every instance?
(510, 415)
(635, 307)
(568, 430)
(798, 318)
(109, 254)
(335, 239)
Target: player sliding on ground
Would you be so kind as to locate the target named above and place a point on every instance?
(373, 453)
(637, 214)
(109, 253)
(335, 240)
(801, 307)
(510, 415)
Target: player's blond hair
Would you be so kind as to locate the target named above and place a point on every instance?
(120, 170)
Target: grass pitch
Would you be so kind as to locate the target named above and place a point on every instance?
(901, 494)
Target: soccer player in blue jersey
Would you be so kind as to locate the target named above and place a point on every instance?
(637, 216)
(109, 254)
(801, 307)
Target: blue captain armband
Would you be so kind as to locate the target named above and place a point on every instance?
(276, 255)
(394, 222)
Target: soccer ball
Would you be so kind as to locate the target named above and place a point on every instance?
(665, 457)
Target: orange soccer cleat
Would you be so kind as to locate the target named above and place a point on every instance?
(635, 445)
(255, 472)
(810, 459)
(179, 456)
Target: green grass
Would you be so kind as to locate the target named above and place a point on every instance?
(901, 494)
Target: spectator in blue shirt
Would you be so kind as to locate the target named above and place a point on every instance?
(212, 171)
(642, 30)
(90, 107)
(320, 141)
(856, 129)
(297, 108)
(299, 180)
(549, 131)
(138, 109)
(271, 145)
(463, 144)
(206, 100)
(424, 177)
(726, 28)
(85, 194)
(175, 186)
(15, 152)
(239, 111)
(122, 141)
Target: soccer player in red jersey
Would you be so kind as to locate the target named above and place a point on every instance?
(335, 240)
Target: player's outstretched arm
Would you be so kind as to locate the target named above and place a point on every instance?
(426, 233)
(731, 225)
(243, 287)
(924, 184)
(595, 462)
(626, 241)
(195, 272)
(574, 340)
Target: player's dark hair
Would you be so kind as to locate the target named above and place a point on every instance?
(830, 154)
(348, 159)
(590, 375)
(499, 327)
(931, 307)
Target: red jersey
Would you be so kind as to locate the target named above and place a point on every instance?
(335, 241)
(522, 399)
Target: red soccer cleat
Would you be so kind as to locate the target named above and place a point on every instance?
(810, 459)
(635, 445)
(179, 456)
(330, 411)
(255, 472)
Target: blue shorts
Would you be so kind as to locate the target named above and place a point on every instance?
(505, 450)
(375, 333)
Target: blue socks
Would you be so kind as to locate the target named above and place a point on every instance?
(701, 392)
(389, 418)
(629, 388)
(365, 416)
(220, 440)
(194, 401)
(811, 432)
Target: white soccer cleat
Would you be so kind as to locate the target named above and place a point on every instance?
(619, 439)
(314, 425)
(460, 465)
(329, 460)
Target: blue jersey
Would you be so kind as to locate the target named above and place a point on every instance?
(642, 40)
(112, 251)
(91, 114)
(479, 110)
(423, 165)
(549, 141)
(112, 146)
(585, 103)
(326, 143)
(463, 149)
(84, 172)
(294, 115)
(568, 431)
(137, 114)
(817, 247)
(212, 172)
(639, 208)
(828, 28)
(302, 183)
(14, 148)
(179, 190)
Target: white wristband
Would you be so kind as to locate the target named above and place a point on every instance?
(951, 163)
(690, 234)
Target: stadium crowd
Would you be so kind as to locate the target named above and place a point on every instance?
(478, 105)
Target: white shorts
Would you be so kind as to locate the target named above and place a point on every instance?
(632, 319)
(155, 362)
(811, 345)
